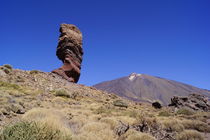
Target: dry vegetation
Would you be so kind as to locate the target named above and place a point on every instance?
(43, 106)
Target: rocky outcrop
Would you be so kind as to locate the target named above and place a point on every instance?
(193, 101)
(157, 105)
(70, 52)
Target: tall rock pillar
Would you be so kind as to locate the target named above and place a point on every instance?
(70, 52)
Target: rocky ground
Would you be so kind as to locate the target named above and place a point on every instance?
(79, 112)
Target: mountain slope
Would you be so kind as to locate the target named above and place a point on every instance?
(141, 87)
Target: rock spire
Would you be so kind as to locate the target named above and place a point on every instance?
(70, 52)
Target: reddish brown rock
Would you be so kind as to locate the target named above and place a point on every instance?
(70, 52)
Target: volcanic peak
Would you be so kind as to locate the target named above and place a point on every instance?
(133, 76)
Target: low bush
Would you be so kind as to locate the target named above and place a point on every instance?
(7, 66)
(31, 131)
(185, 111)
(189, 135)
(135, 135)
(102, 110)
(196, 125)
(172, 125)
(164, 114)
(9, 85)
(120, 103)
(34, 72)
(95, 131)
(62, 92)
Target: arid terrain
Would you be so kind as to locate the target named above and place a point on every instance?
(40, 105)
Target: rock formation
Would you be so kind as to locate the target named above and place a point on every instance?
(70, 52)
(193, 101)
(157, 105)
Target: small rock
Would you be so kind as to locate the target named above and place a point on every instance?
(122, 129)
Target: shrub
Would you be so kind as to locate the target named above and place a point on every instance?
(31, 131)
(62, 92)
(95, 131)
(172, 125)
(102, 110)
(8, 66)
(49, 117)
(132, 113)
(164, 114)
(120, 103)
(9, 85)
(185, 111)
(34, 72)
(140, 136)
(135, 135)
(196, 125)
(111, 121)
(189, 135)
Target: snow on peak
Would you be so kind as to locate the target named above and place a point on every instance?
(132, 76)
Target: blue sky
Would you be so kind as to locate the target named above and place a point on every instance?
(165, 38)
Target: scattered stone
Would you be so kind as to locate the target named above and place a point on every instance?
(155, 129)
(70, 52)
(193, 101)
(121, 129)
(157, 105)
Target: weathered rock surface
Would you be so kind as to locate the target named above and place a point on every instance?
(70, 52)
(193, 101)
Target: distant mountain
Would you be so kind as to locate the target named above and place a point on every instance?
(146, 88)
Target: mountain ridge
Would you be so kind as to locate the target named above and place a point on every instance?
(147, 88)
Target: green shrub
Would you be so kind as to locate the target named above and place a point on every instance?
(102, 110)
(196, 125)
(31, 131)
(120, 103)
(34, 72)
(164, 114)
(189, 135)
(62, 93)
(8, 66)
(9, 85)
(185, 111)
(172, 125)
(132, 113)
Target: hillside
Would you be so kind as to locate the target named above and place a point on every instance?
(146, 88)
(40, 105)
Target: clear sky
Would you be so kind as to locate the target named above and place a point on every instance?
(165, 38)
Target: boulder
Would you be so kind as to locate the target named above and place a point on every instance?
(156, 105)
(70, 52)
